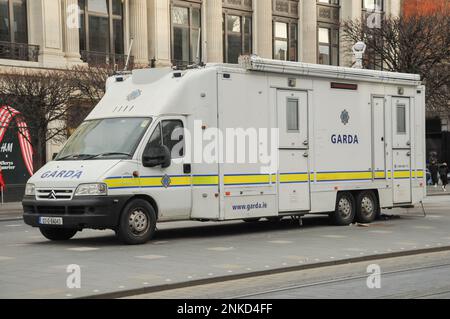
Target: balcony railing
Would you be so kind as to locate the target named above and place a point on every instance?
(107, 60)
(19, 51)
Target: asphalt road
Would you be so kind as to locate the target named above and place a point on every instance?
(187, 252)
(423, 276)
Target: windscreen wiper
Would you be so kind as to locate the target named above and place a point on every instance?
(108, 154)
(74, 156)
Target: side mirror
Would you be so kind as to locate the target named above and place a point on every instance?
(156, 156)
(54, 156)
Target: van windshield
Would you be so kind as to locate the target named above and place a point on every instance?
(105, 139)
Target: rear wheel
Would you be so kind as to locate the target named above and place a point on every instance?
(344, 213)
(58, 234)
(276, 219)
(137, 223)
(366, 207)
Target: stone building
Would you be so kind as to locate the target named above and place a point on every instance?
(54, 34)
(57, 34)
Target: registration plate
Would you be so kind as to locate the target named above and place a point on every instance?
(51, 221)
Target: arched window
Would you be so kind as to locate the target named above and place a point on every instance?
(13, 21)
(101, 28)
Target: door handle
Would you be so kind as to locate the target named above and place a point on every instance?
(305, 155)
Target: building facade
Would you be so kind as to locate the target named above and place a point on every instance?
(60, 33)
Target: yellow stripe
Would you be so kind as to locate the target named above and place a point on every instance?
(247, 179)
(402, 174)
(123, 182)
(344, 176)
(293, 178)
(380, 175)
(206, 180)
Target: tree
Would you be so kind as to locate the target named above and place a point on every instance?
(418, 44)
(43, 98)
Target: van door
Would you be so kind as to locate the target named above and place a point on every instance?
(170, 187)
(378, 139)
(293, 175)
(401, 149)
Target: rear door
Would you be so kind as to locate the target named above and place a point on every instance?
(292, 117)
(401, 149)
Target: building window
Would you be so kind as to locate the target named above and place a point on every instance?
(186, 37)
(13, 21)
(333, 2)
(373, 13)
(328, 20)
(328, 46)
(101, 26)
(285, 41)
(285, 30)
(237, 29)
(237, 36)
(373, 5)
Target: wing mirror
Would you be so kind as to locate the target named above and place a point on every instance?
(156, 156)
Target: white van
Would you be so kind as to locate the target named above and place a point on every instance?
(349, 143)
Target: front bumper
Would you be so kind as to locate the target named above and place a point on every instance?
(102, 212)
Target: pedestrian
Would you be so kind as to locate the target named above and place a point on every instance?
(443, 172)
(434, 168)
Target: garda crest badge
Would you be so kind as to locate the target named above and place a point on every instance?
(166, 181)
(345, 117)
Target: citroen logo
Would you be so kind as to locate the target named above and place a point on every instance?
(52, 195)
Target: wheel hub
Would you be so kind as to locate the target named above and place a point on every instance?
(367, 206)
(138, 222)
(345, 207)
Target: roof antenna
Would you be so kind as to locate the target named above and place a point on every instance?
(358, 52)
(128, 56)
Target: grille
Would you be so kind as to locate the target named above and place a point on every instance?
(51, 210)
(54, 194)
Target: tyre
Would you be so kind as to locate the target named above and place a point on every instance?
(366, 207)
(274, 219)
(137, 223)
(345, 211)
(58, 234)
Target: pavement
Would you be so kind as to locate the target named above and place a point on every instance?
(189, 253)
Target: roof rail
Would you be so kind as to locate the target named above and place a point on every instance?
(256, 63)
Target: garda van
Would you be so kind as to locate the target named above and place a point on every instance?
(349, 143)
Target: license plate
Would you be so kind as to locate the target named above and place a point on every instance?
(51, 221)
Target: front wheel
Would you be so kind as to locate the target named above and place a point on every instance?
(345, 211)
(137, 223)
(58, 234)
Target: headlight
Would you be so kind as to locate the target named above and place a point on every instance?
(91, 190)
(30, 190)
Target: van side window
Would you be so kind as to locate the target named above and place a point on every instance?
(155, 139)
(401, 119)
(292, 116)
(173, 137)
